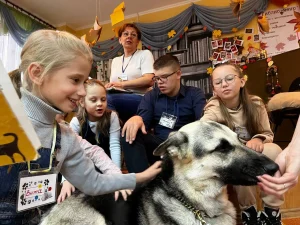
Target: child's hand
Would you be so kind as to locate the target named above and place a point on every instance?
(149, 173)
(256, 144)
(124, 193)
(66, 191)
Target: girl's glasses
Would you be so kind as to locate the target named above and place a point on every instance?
(217, 83)
(163, 78)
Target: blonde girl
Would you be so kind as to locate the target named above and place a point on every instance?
(247, 116)
(55, 66)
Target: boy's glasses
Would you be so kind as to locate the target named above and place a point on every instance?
(217, 83)
(163, 78)
(126, 34)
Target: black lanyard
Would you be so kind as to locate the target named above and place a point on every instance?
(123, 70)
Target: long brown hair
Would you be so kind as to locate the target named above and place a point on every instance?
(15, 77)
(251, 109)
(103, 123)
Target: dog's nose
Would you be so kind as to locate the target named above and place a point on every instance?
(271, 168)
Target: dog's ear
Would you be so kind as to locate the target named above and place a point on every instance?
(174, 145)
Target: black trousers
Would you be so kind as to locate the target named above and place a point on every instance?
(115, 212)
(139, 155)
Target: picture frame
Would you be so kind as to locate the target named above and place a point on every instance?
(216, 55)
(220, 43)
(223, 55)
(256, 38)
(234, 49)
(227, 45)
(228, 55)
(249, 31)
(238, 42)
(214, 44)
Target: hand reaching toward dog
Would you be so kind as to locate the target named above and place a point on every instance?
(131, 128)
(66, 191)
(289, 164)
(256, 144)
(149, 173)
(124, 193)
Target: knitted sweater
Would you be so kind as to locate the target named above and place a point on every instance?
(74, 165)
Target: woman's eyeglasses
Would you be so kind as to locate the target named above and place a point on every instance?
(217, 83)
(126, 34)
(163, 78)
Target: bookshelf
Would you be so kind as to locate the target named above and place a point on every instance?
(193, 51)
(103, 70)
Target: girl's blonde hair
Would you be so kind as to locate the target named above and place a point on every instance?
(53, 50)
(103, 124)
(251, 109)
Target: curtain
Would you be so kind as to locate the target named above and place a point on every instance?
(18, 25)
(10, 52)
(155, 35)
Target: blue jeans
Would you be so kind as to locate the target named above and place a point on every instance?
(124, 104)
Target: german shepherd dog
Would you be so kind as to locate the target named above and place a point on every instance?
(199, 161)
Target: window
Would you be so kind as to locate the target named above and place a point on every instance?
(10, 52)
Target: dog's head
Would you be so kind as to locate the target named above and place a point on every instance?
(202, 151)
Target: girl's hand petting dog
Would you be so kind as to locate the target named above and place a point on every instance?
(66, 191)
(149, 173)
(256, 144)
(124, 193)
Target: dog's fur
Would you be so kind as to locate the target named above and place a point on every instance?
(11, 148)
(198, 162)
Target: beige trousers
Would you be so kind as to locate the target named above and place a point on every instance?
(246, 195)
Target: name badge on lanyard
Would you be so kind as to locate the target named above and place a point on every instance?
(123, 77)
(167, 120)
(37, 187)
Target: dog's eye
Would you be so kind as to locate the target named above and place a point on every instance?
(224, 146)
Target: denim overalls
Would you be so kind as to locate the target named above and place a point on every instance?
(9, 187)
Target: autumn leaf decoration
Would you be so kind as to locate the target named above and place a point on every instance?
(296, 21)
(171, 33)
(93, 35)
(263, 23)
(236, 7)
(234, 30)
(217, 33)
(209, 70)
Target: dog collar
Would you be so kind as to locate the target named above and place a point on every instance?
(196, 212)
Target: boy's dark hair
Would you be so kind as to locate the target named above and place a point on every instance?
(166, 60)
(123, 27)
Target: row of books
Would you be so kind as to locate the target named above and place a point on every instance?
(103, 70)
(204, 84)
(198, 51)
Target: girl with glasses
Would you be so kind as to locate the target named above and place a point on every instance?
(247, 116)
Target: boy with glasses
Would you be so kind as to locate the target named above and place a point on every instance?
(166, 108)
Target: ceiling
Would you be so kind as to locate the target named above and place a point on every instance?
(80, 14)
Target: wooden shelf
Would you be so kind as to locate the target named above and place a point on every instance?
(198, 74)
(177, 51)
(193, 64)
